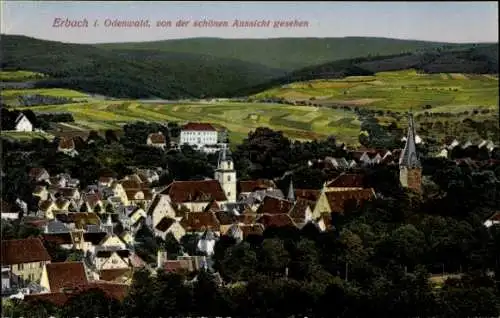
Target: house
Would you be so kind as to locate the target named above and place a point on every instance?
(111, 253)
(272, 205)
(157, 140)
(38, 174)
(340, 163)
(105, 181)
(22, 123)
(207, 241)
(245, 188)
(493, 220)
(57, 276)
(9, 211)
(24, 259)
(136, 197)
(199, 222)
(195, 195)
(255, 199)
(41, 192)
(275, 220)
(337, 201)
(346, 182)
(115, 291)
(119, 275)
(168, 225)
(160, 208)
(241, 231)
(66, 145)
(301, 212)
(199, 135)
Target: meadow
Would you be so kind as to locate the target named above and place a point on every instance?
(19, 76)
(396, 91)
(297, 122)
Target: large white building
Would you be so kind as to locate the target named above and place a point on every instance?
(202, 136)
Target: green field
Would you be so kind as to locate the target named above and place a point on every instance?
(19, 76)
(397, 91)
(21, 135)
(298, 122)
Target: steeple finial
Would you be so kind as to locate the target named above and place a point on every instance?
(409, 157)
(291, 191)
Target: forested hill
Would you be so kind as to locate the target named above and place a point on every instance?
(132, 74)
(482, 59)
(288, 53)
(126, 72)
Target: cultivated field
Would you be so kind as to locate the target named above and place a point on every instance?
(298, 122)
(464, 96)
(397, 91)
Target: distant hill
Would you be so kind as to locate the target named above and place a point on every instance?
(287, 53)
(128, 73)
(482, 59)
(198, 68)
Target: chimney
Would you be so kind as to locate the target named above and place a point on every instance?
(161, 258)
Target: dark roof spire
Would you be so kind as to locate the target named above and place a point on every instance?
(224, 155)
(409, 157)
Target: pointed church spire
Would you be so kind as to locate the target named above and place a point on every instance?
(224, 155)
(291, 192)
(409, 157)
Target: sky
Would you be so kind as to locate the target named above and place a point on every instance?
(457, 22)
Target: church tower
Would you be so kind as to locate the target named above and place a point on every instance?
(226, 175)
(410, 168)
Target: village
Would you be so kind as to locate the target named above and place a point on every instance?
(99, 223)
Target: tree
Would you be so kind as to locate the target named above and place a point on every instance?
(91, 303)
(274, 258)
(239, 262)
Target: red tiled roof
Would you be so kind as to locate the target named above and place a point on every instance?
(113, 290)
(272, 205)
(23, 251)
(308, 194)
(57, 299)
(65, 274)
(298, 212)
(199, 127)
(275, 220)
(157, 138)
(254, 185)
(247, 218)
(175, 266)
(195, 191)
(252, 229)
(131, 184)
(346, 180)
(337, 199)
(495, 217)
(105, 179)
(58, 238)
(199, 221)
(212, 206)
(67, 143)
(36, 172)
(114, 274)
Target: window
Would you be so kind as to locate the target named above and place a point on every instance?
(229, 194)
(20, 267)
(228, 178)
